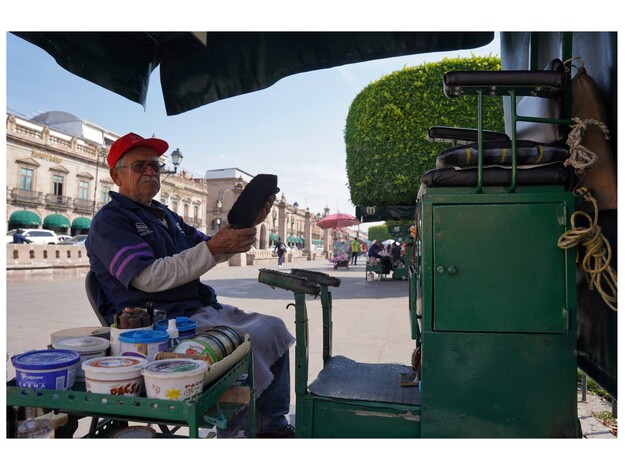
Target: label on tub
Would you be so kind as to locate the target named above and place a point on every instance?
(143, 343)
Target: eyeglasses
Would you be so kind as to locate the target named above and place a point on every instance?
(141, 165)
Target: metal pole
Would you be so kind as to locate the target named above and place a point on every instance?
(101, 152)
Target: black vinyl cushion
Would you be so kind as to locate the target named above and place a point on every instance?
(250, 202)
(500, 153)
(546, 175)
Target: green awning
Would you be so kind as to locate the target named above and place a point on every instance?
(273, 237)
(81, 223)
(25, 219)
(53, 221)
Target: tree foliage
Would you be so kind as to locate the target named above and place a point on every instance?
(386, 127)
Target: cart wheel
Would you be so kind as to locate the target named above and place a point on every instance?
(404, 277)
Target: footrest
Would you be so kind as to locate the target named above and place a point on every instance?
(288, 282)
(343, 378)
(322, 279)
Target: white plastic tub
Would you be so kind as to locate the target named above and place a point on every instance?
(114, 375)
(174, 379)
(87, 346)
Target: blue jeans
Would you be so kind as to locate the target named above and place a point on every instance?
(272, 405)
(280, 258)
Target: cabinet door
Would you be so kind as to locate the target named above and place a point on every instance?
(497, 267)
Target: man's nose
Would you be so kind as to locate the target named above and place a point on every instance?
(149, 169)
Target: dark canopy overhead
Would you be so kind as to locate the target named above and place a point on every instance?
(385, 212)
(200, 68)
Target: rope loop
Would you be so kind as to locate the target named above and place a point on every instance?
(582, 157)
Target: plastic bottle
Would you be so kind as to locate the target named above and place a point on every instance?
(172, 331)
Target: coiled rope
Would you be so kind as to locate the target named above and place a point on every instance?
(597, 250)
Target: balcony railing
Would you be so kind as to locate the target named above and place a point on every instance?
(56, 200)
(83, 205)
(23, 196)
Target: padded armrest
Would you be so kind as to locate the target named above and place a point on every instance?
(546, 83)
(461, 135)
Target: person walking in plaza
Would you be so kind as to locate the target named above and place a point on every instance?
(281, 250)
(355, 248)
(18, 237)
(140, 251)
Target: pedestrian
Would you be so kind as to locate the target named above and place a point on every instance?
(19, 238)
(281, 250)
(140, 251)
(355, 247)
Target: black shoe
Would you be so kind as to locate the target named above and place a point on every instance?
(287, 431)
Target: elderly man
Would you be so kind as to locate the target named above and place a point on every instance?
(140, 252)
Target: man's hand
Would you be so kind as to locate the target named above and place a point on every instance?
(229, 241)
(266, 209)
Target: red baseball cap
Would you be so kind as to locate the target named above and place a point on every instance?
(131, 141)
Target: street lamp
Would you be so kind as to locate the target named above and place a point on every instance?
(176, 158)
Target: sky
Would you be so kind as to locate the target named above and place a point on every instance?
(293, 129)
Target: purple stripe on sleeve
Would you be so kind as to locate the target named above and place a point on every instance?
(129, 259)
(122, 251)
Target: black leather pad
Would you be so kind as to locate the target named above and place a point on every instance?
(251, 201)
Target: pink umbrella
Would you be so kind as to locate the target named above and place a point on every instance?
(337, 220)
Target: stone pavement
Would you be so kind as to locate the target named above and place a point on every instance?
(370, 319)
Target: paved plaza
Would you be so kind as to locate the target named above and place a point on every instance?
(370, 319)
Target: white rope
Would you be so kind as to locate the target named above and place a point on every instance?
(580, 156)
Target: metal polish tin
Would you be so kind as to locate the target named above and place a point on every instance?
(53, 369)
(198, 347)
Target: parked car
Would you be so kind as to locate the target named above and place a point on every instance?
(76, 240)
(63, 238)
(37, 236)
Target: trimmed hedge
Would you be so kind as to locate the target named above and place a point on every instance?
(386, 127)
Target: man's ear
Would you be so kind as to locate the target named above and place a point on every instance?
(115, 176)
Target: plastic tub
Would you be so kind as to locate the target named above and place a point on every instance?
(174, 379)
(143, 343)
(48, 368)
(114, 375)
(87, 346)
(101, 331)
(116, 347)
(186, 327)
(200, 346)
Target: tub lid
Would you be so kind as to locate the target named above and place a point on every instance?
(46, 359)
(143, 336)
(114, 364)
(172, 367)
(82, 344)
(182, 323)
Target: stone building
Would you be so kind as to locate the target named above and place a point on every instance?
(57, 178)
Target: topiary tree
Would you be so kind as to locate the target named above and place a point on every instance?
(386, 127)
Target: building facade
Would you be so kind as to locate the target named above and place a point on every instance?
(57, 178)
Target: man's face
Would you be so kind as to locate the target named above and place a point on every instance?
(140, 187)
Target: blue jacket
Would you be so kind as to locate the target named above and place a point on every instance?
(126, 237)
